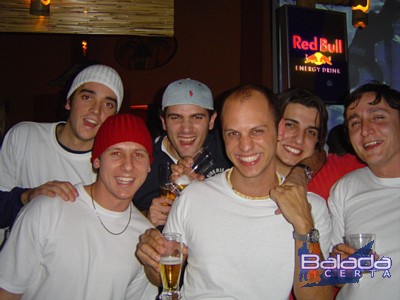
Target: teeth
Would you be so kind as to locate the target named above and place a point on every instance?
(186, 140)
(370, 144)
(293, 150)
(124, 179)
(249, 158)
(91, 121)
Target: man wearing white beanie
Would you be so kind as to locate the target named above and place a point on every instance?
(49, 158)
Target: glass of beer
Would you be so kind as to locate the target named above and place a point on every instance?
(167, 188)
(359, 240)
(202, 163)
(171, 266)
(170, 190)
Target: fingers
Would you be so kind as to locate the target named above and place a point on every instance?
(159, 210)
(177, 171)
(343, 250)
(195, 176)
(149, 248)
(184, 166)
(292, 203)
(63, 189)
(185, 250)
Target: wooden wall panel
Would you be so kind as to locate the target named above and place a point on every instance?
(127, 17)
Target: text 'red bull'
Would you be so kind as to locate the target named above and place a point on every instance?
(317, 44)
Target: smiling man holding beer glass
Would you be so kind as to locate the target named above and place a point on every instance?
(238, 246)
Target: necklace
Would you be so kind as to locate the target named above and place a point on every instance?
(228, 178)
(101, 222)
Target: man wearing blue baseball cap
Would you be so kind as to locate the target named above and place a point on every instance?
(188, 118)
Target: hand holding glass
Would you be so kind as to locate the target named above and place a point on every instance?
(171, 266)
(359, 240)
(202, 163)
(167, 188)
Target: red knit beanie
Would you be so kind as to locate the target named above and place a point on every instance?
(121, 128)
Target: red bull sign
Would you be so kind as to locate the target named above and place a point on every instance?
(318, 44)
(318, 59)
(313, 51)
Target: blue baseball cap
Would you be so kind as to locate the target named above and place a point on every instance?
(188, 91)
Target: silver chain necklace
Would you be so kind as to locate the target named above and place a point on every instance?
(101, 222)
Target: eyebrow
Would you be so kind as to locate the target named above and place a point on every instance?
(191, 115)
(297, 122)
(94, 93)
(370, 110)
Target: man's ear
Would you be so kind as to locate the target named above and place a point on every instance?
(96, 163)
(212, 120)
(68, 105)
(163, 122)
(281, 130)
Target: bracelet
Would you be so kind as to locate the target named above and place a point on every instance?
(307, 170)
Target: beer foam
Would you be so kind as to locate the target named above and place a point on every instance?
(170, 260)
(183, 180)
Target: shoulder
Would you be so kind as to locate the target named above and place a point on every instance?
(42, 207)
(201, 188)
(32, 126)
(316, 201)
(28, 128)
(350, 184)
(354, 177)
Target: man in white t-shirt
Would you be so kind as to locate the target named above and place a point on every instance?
(48, 159)
(85, 249)
(368, 200)
(238, 247)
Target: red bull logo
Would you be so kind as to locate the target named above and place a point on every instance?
(320, 46)
(317, 44)
(318, 59)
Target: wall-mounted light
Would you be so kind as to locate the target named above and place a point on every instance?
(359, 16)
(40, 7)
(84, 48)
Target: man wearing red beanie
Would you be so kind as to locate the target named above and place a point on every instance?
(85, 249)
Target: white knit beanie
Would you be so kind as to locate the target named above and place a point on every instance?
(100, 74)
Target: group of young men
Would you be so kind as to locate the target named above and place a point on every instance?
(243, 226)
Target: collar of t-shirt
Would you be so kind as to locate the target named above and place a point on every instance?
(164, 149)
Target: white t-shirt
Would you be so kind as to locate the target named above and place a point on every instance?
(238, 248)
(362, 203)
(31, 156)
(59, 250)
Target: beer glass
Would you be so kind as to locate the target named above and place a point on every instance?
(359, 240)
(202, 163)
(171, 266)
(167, 188)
